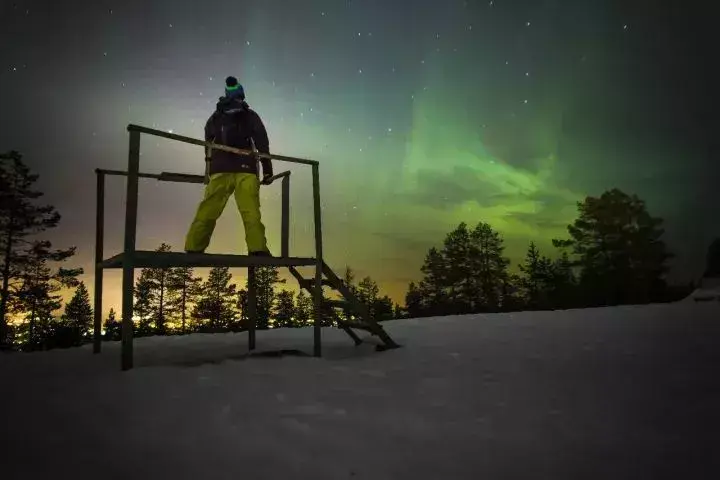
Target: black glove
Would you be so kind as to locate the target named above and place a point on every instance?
(267, 179)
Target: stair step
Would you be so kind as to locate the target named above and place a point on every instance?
(357, 326)
(309, 283)
(337, 303)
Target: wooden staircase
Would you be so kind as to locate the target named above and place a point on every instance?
(349, 305)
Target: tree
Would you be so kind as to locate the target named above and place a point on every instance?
(20, 219)
(143, 306)
(79, 314)
(242, 306)
(563, 285)
(469, 274)
(383, 308)
(712, 263)
(303, 309)
(414, 301)
(113, 327)
(265, 280)
(285, 309)
(537, 279)
(215, 308)
(619, 250)
(489, 267)
(157, 279)
(36, 295)
(459, 279)
(349, 280)
(367, 293)
(183, 288)
(432, 289)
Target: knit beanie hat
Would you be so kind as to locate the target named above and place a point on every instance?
(233, 89)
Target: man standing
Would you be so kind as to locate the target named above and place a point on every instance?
(233, 124)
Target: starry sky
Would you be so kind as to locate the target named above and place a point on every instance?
(422, 113)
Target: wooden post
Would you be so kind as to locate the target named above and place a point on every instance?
(128, 279)
(252, 307)
(99, 235)
(285, 225)
(318, 296)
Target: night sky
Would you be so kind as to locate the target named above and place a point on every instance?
(422, 114)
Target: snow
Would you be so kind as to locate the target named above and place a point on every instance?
(612, 393)
(708, 290)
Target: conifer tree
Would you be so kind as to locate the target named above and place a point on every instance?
(183, 288)
(266, 278)
(215, 309)
(21, 219)
(303, 309)
(284, 314)
(619, 249)
(79, 314)
(113, 327)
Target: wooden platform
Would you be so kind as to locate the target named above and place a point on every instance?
(152, 259)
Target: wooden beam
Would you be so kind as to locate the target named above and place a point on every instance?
(181, 177)
(99, 241)
(252, 307)
(318, 291)
(128, 261)
(152, 259)
(216, 146)
(285, 217)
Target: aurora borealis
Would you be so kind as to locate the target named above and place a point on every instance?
(423, 114)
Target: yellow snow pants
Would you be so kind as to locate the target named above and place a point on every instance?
(246, 187)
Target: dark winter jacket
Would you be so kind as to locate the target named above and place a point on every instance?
(235, 124)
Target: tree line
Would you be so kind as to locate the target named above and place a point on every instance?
(614, 254)
(175, 300)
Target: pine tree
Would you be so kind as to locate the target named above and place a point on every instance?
(537, 281)
(113, 327)
(459, 279)
(432, 289)
(489, 265)
(183, 288)
(285, 309)
(349, 280)
(367, 293)
(79, 314)
(414, 301)
(266, 278)
(563, 286)
(619, 250)
(215, 309)
(21, 219)
(37, 294)
(303, 309)
(383, 308)
(157, 282)
(143, 306)
(398, 311)
(242, 307)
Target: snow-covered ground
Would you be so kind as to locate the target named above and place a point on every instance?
(616, 393)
